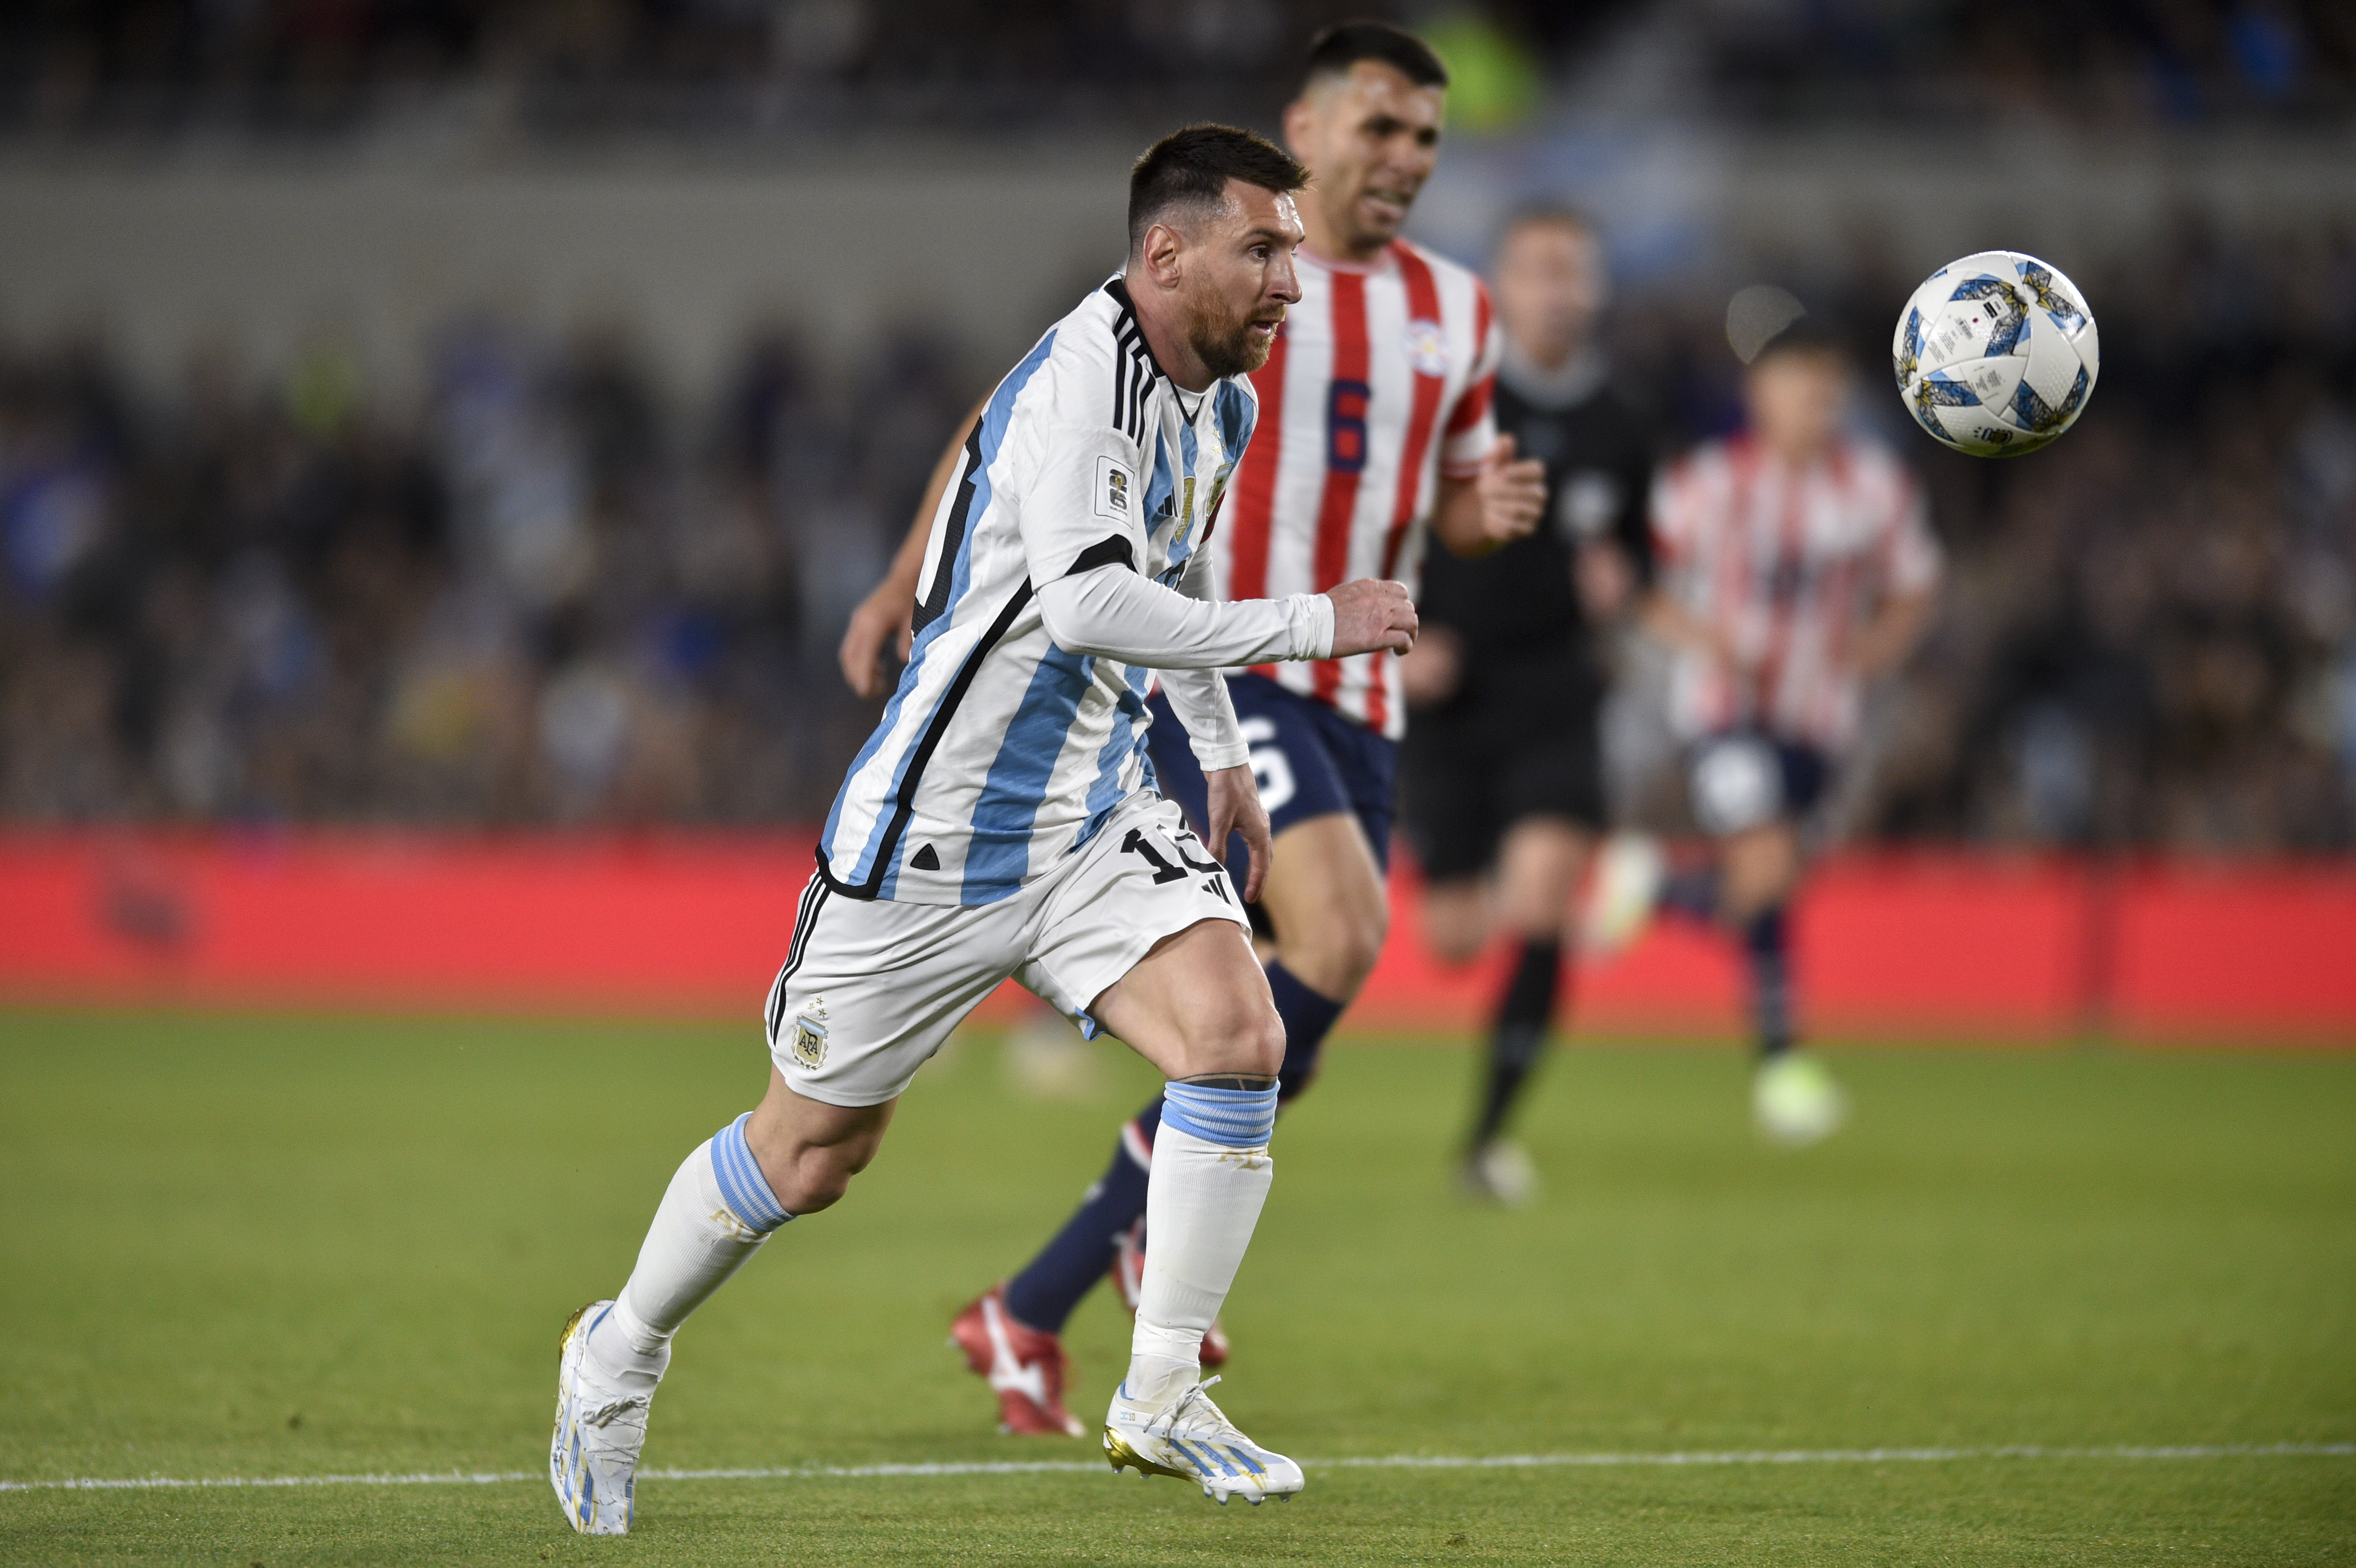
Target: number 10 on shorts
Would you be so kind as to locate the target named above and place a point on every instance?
(1142, 845)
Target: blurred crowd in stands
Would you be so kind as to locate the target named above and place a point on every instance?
(542, 597)
(560, 67)
(550, 594)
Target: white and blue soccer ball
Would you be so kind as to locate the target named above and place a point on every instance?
(1997, 354)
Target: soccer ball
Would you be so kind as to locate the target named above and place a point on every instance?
(1996, 354)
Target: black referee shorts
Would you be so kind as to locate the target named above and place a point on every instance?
(1466, 776)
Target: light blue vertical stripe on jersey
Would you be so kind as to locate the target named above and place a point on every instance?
(1112, 760)
(1160, 488)
(1236, 417)
(994, 421)
(1188, 449)
(998, 852)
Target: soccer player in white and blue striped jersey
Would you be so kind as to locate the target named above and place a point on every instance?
(1003, 821)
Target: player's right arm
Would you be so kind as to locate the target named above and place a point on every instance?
(1111, 611)
(1080, 492)
(886, 615)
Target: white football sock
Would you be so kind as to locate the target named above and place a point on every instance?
(715, 1214)
(1211, 1177)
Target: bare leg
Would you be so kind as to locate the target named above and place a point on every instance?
(1325, 897)
(1762, 868)
(809, 1150)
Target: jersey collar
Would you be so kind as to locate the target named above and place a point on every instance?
(1117, 287)
(1189, 405)
(1381, 264)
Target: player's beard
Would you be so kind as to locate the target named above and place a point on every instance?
(1226, 347)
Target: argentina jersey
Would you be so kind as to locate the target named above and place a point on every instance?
(1001, 752)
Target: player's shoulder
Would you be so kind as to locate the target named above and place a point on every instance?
(1715, 462)
(1436, 286)
(1091, 368)
(1093, 336)
(1448, 274)
(1868, 468)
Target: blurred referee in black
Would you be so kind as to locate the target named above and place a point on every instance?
(1502, 773)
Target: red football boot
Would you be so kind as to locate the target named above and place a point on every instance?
(1128, 1277)
(1025, 1367)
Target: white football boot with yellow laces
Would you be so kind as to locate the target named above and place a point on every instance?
(1190, 1438)
(593, 1460)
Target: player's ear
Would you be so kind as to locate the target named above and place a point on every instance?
(1300, 119)
(1160, 252)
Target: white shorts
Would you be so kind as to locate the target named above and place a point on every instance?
(872, 987)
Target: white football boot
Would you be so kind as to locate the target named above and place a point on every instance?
(1501, 1172)
(1795, 1101)
(593, 1460)
(1190, 1438)
(1622, 892)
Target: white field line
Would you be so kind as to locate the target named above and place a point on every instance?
(1391, 1462)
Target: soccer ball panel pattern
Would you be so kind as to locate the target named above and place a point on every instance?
(1996, 354)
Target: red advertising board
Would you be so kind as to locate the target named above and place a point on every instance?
(1945, 945)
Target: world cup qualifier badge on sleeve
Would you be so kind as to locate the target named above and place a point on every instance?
(1113, 487)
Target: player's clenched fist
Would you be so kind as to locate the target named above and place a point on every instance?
(1370, 615)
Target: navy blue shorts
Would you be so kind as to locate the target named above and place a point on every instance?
(1309, 762)
(1744, 778)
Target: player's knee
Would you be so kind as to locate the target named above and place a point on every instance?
(1763, 866)
(1263, 1039)
(1455, 935)
(1359, 941)
(1337, 951)
(1240, 1037)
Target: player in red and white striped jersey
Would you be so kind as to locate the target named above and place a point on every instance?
(1374, 429)
(1795, 564)
(1375, 419)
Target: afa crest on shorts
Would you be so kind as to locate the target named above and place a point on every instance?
(808, 1040)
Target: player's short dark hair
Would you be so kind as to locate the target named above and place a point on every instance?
(1334, 50)
(1545, 214)
(1808, 334)
(1190, 168)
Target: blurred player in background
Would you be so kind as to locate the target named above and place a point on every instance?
(1502, 776)
(1374, 426)
(1795, 564)
(1001, 822)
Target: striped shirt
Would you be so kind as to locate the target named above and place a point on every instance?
(1379, 383)
(1000, 752)
(1789, 564)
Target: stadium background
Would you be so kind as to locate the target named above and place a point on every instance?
(440, 441)
(456, 419)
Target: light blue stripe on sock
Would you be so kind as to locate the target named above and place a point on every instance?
(741, 1181)
(1238, 1117)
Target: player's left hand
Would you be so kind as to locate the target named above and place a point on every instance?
(1235, 808)
(1512, 493)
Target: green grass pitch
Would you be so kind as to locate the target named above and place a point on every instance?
(284, 1247)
